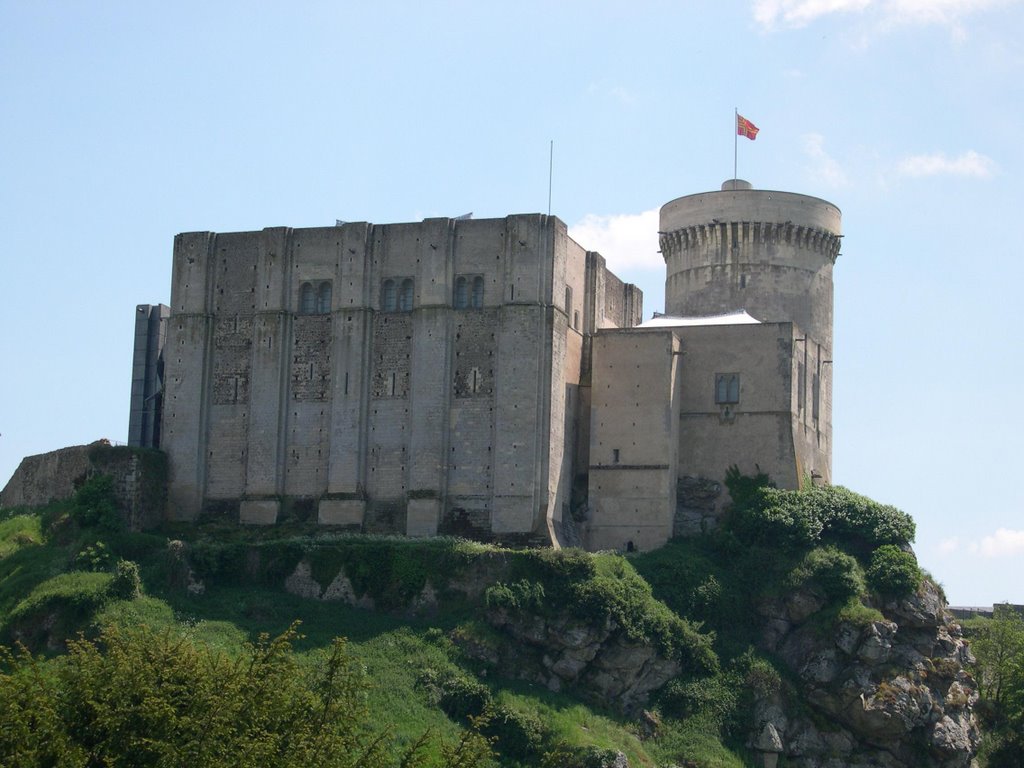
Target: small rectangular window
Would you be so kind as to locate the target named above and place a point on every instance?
(727, 388)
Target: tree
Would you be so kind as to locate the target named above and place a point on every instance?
(998, 645)
(140, 698)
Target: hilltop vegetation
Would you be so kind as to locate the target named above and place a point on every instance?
(456, 663)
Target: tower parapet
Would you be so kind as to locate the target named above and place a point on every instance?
(770, 253)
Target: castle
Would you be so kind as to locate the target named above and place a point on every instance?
(492, 378)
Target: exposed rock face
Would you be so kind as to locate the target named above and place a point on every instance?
(599, 662)
(894, 693)
(697, 500)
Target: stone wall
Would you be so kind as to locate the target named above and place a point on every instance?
(139, 479)
(418, 415)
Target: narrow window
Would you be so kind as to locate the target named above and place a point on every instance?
(576, 320)
(393, 377)
(346, 382)
(388, 296)
(568, 301)
(323, 298)
(478, 292)
(615, 455)
(816, 397)
(307, 299)
(405, 296)
(461, 293)
(474, 383)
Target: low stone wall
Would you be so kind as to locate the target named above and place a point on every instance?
(139, 479)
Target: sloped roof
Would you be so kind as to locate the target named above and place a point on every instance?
(671, 321)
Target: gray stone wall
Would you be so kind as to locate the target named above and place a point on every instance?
(418, 419)
(139, 477)
(768, 252)
(633, 439)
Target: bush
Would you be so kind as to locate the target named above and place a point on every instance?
(126, 583)
(835, 574)
(795, 521)
(93, 557)
(781, 520)
(519, 735)
(459, 696)
(522, 595)
(618, 593)
(142, 698)
(95, 504)
(893, 572)
(743, 489)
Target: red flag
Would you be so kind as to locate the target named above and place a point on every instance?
(746, 128)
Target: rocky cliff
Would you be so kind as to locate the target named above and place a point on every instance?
(893, 692)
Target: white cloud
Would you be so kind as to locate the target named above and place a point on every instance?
(799, 13)
(627, 241)
(970, 163)
(1003, 543)
(949, 546)
(824, 168)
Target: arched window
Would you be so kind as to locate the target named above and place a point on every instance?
(307, 299)
(461, 293)
(323, 298)
(478, 292)
(405, 296)
(568, 301)
(388, 296)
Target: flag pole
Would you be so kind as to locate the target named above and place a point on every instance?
(735, 140)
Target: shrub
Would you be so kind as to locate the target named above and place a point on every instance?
(519, 735)
(143, 698)
(93, 557)
(778, 519)
(836, 574)
(459, 696)
(893, 572)
(126, 583)
(858, 523)
(795, 521)
(743, 488)
(618, 593)
(713, 698)
(95, 505)
(521, 595)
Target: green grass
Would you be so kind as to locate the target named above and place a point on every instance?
(19, 532)
(46, 602)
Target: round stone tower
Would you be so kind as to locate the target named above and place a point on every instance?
(770, 253)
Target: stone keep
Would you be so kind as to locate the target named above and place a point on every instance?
(415, 378)
(491, 378)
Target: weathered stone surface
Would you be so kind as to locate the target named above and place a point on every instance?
(258, 511)
(894, 693)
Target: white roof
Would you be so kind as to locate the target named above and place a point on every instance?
(670, 321)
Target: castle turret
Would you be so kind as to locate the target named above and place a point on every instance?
(770, 253)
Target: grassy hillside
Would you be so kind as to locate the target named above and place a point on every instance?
(441, 675)
(57, 570)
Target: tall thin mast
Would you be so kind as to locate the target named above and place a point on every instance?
(551, 172)
(735, 140)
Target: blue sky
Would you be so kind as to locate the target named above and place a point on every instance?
(126, 123)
